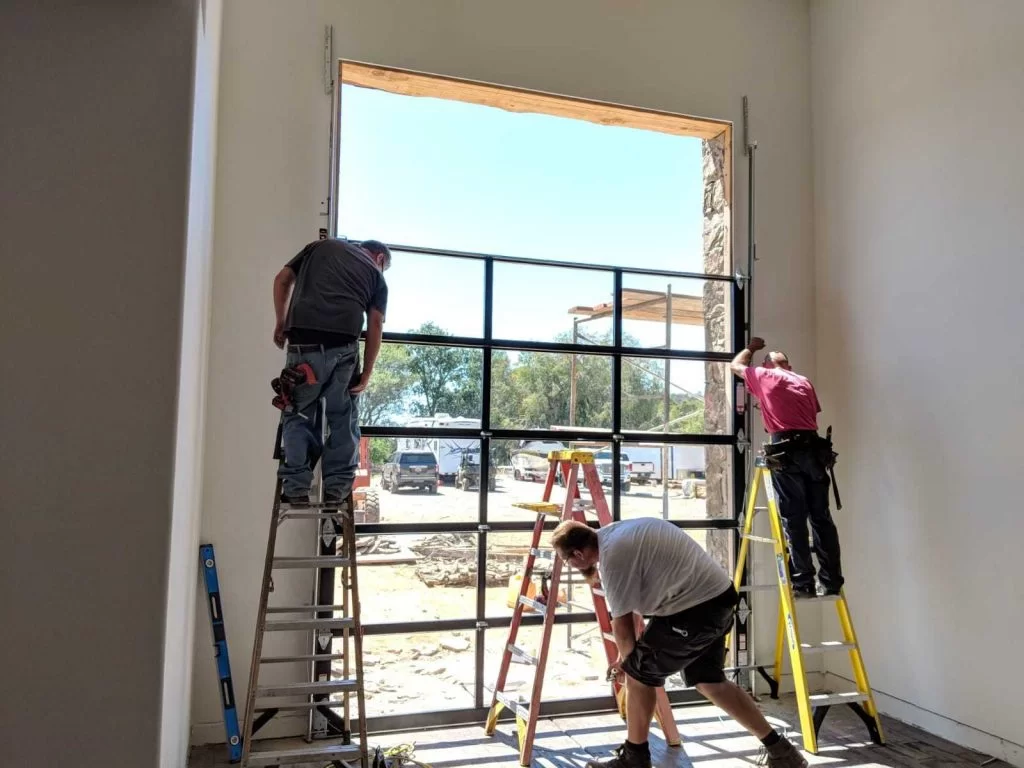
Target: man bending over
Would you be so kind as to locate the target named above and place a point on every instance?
(333, 285)
(651, 567)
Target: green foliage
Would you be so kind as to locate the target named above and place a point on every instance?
(530, 391)
(381, 449)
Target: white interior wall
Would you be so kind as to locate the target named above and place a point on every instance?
(188, 455)
(94, 152)
(918, 192)
(698, 57)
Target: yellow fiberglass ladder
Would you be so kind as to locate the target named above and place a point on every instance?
(812, 707)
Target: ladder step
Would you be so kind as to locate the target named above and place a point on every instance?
(307, 705)
(514, 704)
(828, 699)
(293, 515)
(340, 506)
(522, 655)
(306, 657)
(308, 689)
(306, 608)
(825, 647)
(307, 754)
(326, 561)
(287, 625)
(761, 539)
(538, 607)
(540, 507)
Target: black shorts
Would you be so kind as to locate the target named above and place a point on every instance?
(692, 641)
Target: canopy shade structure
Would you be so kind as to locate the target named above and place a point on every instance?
(651, 306)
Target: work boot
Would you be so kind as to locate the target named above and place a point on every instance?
(626, 756)
(782, 754)
(301, 500)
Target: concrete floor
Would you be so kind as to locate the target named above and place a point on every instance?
(710, 740)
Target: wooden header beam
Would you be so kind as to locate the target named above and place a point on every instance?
(409, 83)
(650, 306)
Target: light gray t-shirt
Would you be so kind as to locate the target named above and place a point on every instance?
(653, 568)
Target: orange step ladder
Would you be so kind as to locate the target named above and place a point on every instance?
(569, 464)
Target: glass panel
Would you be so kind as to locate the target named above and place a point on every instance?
(416, 480)
(698, 396)
(475, 178)
(416, 673)
(576, 662)
(417, 577)
(548, 390)
(424, 385)
(541, 304)
(435, 295)
(701, 312)
(699, 487)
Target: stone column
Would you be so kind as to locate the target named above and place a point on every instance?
(716, 335)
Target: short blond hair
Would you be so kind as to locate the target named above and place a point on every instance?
(572, 535)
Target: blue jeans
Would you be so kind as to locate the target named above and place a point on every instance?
(335, 368)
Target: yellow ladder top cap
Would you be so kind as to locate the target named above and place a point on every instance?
(576, 457)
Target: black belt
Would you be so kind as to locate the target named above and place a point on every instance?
(794, 434)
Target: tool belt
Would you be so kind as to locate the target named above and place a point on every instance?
(285, 384)
(780, 455)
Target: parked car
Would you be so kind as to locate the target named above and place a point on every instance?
(642, 471)
(410, 469)
(468, 478)
(603, 464)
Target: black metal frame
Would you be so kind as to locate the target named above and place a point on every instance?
(616, 436)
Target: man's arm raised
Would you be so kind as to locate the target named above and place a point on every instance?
(740, 363)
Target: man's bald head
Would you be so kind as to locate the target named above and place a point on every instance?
(776, 359)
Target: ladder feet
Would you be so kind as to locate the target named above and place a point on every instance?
(773, 684)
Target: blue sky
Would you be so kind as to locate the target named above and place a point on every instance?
(445, 174)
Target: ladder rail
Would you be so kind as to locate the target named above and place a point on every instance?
(261, 617)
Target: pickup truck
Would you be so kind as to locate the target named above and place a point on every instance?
(603, 464)
(642, 471)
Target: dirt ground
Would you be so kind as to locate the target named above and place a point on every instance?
(419, 577)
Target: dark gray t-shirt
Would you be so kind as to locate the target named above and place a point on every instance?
(336, 284)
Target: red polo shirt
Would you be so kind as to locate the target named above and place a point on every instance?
(788, 400)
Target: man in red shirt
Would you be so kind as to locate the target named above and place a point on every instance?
(790, 408)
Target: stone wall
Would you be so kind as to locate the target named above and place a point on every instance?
(716, 336)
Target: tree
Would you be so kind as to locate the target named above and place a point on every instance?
(443, 379)
(383, 401)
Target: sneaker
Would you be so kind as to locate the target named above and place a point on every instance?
(782, 754)
(624, 758)
(295, 501)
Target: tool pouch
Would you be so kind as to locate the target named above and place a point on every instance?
(778, 456)
(828, 457)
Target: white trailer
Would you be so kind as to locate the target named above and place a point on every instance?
(530, 459)
(447, 450)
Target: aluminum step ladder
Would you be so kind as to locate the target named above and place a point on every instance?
(566, 465)
(812, 707)
(314, 688)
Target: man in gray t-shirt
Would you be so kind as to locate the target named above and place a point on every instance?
(653, 568)
(321, 298)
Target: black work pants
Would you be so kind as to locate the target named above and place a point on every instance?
(802, 489)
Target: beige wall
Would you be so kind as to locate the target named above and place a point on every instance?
(918, 191)
(272, 160)
(94, 170)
